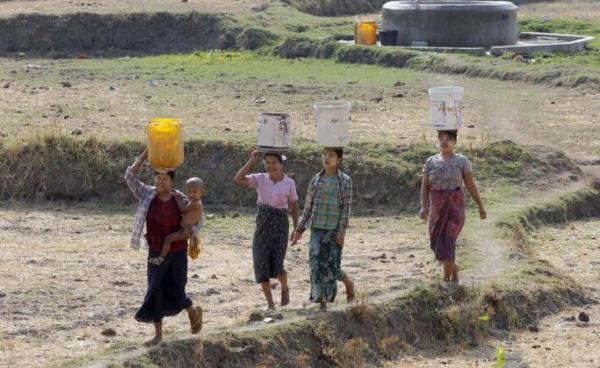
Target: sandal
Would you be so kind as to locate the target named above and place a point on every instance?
(197, 323)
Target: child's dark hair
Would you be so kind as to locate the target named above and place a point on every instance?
(452, 133)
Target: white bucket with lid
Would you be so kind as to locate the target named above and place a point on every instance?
(333, 123)
(446, 107)
(274, 131)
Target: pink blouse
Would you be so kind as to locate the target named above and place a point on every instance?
(273, 194)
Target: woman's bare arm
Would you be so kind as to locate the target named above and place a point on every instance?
(425, 193)
(240, 177)
(295, 209)
(474, 193)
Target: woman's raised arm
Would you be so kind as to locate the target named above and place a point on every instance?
(132, 173)
(240, 177)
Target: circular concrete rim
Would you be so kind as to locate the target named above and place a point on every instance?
(449, 5)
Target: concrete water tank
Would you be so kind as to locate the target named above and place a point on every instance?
(452, 23)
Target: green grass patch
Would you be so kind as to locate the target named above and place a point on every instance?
(285, 20)
(235, 66)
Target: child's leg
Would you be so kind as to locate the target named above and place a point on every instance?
(173, 237)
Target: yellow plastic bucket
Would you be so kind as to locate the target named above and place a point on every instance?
(165, 143)
(365, 33)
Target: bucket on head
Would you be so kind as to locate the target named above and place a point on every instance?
(365, 33)
(274, 131)
(165, 143)
(333, 123)
(446, 107)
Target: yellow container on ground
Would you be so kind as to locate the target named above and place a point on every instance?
(365, 33)
(165, 143)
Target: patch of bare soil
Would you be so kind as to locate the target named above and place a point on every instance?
(68, 275)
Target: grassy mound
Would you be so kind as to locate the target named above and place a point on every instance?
(582, 204)
(337, 7)
(370, 334)
(385, 177)
(83, 32)
(583, 74)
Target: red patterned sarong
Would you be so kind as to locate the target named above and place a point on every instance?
(446, 220)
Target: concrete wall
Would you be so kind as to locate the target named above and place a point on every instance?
(452, 23)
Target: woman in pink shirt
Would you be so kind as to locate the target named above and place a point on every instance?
(276, 196)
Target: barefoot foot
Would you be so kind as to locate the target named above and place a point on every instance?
(350, 298)
(455, 274)
(196, 322)
(323, 307)
(155, 341)
(285, 296)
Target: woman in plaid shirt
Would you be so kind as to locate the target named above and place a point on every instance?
(327, 211)
(159, 209)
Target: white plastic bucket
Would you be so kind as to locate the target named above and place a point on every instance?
(333, 123)
(274, 131)
(446, 107)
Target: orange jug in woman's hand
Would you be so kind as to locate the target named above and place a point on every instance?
(165, 143)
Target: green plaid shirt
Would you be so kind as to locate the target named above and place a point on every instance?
(313, 208)
(327, 210)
